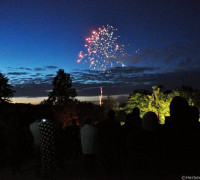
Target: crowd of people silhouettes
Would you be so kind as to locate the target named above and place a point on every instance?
(140, 149)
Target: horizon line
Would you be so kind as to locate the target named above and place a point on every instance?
(37, 100)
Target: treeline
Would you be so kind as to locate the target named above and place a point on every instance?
(63, 105)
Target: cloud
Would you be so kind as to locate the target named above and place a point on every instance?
(117, 74)
(25, 68)
(35, 69)
(39, 69)
(45, 68)
(133, 69)
(32, 90)
(17, 73)
(189, 63)
(136, 59)
(51, 67)
(50, 75)
(119, 82)
(126, 82)
(36, 75)
(173, 56)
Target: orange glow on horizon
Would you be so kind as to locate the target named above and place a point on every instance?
(37, 100)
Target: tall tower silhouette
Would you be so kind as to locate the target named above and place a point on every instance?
(101, 96)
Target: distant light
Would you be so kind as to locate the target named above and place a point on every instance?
(122, 123)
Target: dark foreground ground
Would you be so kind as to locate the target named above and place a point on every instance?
(73, 170)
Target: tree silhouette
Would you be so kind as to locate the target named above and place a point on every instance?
(62, 92)
(110, 103)
(6, 91)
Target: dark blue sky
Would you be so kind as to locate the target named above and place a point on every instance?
(39, 37)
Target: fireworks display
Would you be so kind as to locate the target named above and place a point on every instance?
(103, 50)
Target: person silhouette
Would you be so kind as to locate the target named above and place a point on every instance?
(143, 147)
(16, 143)
(73, 140)
(48, 135)
(88, 134)
(34, 129)
(194, 114)
(109, 140)
(181, 140)
(132, 124)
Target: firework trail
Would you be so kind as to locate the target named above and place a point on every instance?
(103, 50)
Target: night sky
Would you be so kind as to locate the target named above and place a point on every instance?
(161, 38)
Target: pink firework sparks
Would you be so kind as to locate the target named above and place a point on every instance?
(103, 50)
